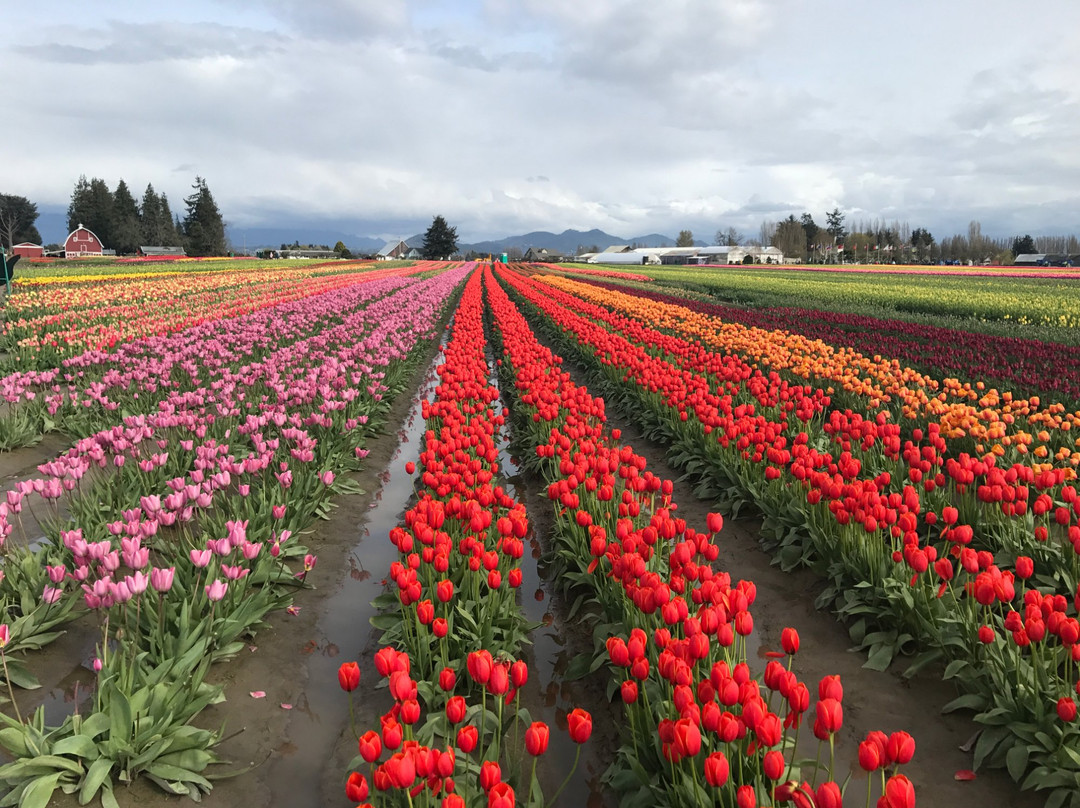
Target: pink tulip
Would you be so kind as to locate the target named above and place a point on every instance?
(162, 579)
(200, 558)
(216, 590)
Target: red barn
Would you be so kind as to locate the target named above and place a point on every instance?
(82, 243)
(28, 250)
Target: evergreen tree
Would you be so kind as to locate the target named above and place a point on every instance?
(127, 233)
(78, 211)
(440, 240)
(17, 217)
(171, 229)
(835, 225)
(204, 229)
(1024, 245)
(685, 239)
(150, 223)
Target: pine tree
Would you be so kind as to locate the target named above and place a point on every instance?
(440, 240)
(78, 211)
(204, 229)
(126, 230)
(150, 217)
(170, 226)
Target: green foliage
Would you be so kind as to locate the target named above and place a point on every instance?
(685, 239)
(127, 230)
(17, 217)
(204, 229)
(440, 240)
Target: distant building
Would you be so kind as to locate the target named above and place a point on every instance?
(162, 252)
(542, 255)
(622, 258)
(82, 243)
(393, 251)
(1030, 260)
(28, 249)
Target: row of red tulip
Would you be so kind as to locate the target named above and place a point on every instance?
(452, 640)
(701, 725)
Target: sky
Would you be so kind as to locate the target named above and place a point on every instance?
(508, 116)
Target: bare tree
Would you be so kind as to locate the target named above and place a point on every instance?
(729, 238)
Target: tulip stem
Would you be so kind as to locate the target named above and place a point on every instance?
(573, 768)
(11, 690)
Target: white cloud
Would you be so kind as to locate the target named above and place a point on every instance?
(507, 116)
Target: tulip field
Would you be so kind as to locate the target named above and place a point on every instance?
(190, 429)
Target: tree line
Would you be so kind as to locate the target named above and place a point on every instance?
(878, 241)
(122, 223)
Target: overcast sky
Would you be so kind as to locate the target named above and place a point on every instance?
(509, 116)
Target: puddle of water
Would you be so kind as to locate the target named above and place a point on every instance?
(319, 718)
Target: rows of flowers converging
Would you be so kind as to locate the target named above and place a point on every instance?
(176, 526)
(997, 420)
(454, 630)
(701, 725)
(46, 325)
(928, 553)
(1028, 364)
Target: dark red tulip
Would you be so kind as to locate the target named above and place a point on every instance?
(789, 641)
(467, 738)
(1066, 709)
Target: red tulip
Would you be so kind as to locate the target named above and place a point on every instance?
(349, 676)
(370, 746)
(455, 709)
(745, 797)
(1066, 709)
(356, 788)
(716, 769)
(869, 756)
(629, 691)
(986, 634)
(519, 674)
(467, 737)
(410, 711)
(444, 591)
(536, 738)
(579, 724)
(687, 741)
(447, 680)
(402, 770)
(501, 795)
(490, 774)
(714, 522)
(410, 467)
(1025, 567)
(789, 641)
(831, 715)
(900, 748)
(829, 796)
(899, 792)
(391, 733)
(773, 765)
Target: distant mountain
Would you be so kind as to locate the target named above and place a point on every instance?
(568, 241)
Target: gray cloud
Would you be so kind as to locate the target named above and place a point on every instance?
(546, 114)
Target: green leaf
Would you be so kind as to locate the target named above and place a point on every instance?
(21, 676)
(120, 721)
(78, 745)
(95, 777)
(1016, 761)
(879, 658)
(579, 667)
(385, 622)
(969, 701)
(39, 791)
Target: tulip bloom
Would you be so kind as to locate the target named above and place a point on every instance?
(356, 789)
(717, 769)
(349, 676)
(216, 590)
(536, 738)
(579, 725)
(370, 746)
